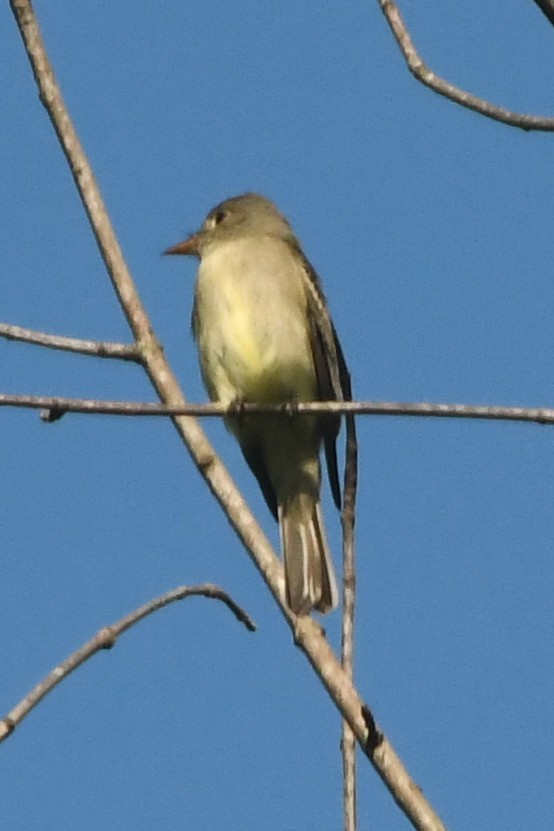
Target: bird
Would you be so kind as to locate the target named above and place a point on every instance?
(264, 334)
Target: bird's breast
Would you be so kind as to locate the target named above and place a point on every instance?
(252, 325)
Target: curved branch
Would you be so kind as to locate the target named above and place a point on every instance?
(105, 639)
(459, 96)
(98, 348)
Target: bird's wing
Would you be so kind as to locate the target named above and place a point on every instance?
(333, 378)
(253, 454)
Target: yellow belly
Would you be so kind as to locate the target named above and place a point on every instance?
(253, 333)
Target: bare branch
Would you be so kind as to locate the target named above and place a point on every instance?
(308, 634)
(418, 409)
(105, 639)
(547, 8)
(348, 740)
(100, 349)
(406, 793)
(459, 96)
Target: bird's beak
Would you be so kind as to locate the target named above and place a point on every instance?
(188, 246)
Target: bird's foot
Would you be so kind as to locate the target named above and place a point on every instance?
(236, 408)
(290, 408)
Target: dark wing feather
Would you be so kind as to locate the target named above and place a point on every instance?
(255, 460)
(333, 379)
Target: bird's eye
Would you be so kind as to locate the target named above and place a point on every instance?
(219, 216)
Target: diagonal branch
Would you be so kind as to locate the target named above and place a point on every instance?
(459, 96)
(105, 639)
(308, 633)
(98, 348)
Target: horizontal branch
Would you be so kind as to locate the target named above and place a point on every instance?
(459, 96)
(105, 639)
(55, 407)
(100, 349)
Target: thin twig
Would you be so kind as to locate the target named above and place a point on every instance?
(307, 633)
(105, 639)
(417, 409)
(348, 740)
(98, 348)
(459, 96)
(547, 8)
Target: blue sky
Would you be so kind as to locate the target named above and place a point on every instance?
(431, 229)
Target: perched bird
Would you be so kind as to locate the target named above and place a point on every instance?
(264, 335)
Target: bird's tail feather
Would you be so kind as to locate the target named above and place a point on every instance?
(309, 574)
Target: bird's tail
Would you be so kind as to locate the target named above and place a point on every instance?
(309, 574)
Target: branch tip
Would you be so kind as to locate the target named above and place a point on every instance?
(430, 79)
